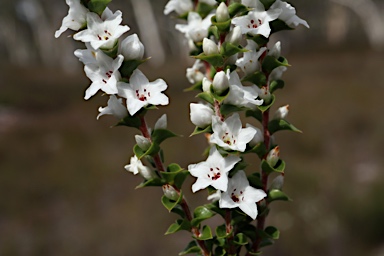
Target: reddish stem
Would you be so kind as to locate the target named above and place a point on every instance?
(229, 230)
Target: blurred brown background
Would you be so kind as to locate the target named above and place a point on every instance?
(63, 188)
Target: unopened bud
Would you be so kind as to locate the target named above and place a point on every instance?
(161, 123)
(147, 173)
(222, 13)
(201, 115)
(276, 50)
(273, 156)
(131, 48)
(259, 137)
(277, 183)
(220, 82)
(142, 142)
(170, 192)
(206, 85)
(234, 36)
(265, 94)
(281, 113)
(210, 47)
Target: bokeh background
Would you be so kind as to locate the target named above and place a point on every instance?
(63, 188)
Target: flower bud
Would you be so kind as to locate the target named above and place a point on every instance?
(273, 156)
(161, 122)
(277, 73)
(234, 36)
(276, 50)
(259, 137)
(222, 13)
(210, 47)
(206, 85)
(201, 115)
(142, 142)
(170, 192)
(281, 113)
(277, 183)
(147, 173)
(265, 94)
(131, 48)
(220, 82)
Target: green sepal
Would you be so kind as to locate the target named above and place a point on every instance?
(128, 66)
(277, 195)
(215, 60)
(97, 6)
(170, 204)
(267, 3)
(220, 251)
(267, 105)
(196, 87)
(192, 247)
(221, 26)
(255, 180)
(151, 183)
(278, 25)
(199, 130)
(130, 121)
(258, 149)
(221, 231)
(204, 9)
(111, 52)
(279, 168)
(206, 234)
(159, 135)
(226, 109)
(276, 84)
(240, 239)
(200, 214)
(257, 114)
(140, 153)
(258, 78)
(175, 175)
(206, 96)
(270, 63)
(236, 8)
(280, 125)
(258, 39)
(227, 49)
(178, 226)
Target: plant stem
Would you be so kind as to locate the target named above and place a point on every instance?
(229, 230)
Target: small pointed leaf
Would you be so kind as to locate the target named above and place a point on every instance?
(280, 125)
(221, 231)
(206, 234)
(257, 114)
(178, 226)
(266, 106)
(227, 49)
(270, 63)
(152, 183)
(241, 239)
(159, 135)
(276, 84)
(258, 78)
(192, 247)
(236, 8)
(275, 195)
(215, 60)
(206, 96)
(279, 168)
(170, 204)
(200, 214)
(199, 130)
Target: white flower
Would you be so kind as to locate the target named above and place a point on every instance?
(281, 112)
(214, 171)
(257, 21)
(288, 14)
(161, 123)
(259, 137)
(194, 74)
(222, 13)
(131, 48)
(210, 47)
(102, 32)
(277, 73)
(241, 194)
(142, 142)
(104, 75)
(229, 134)
(88, 56)
(115, 107)
(136, 166)
(215, 196)
(76, 18)
(140, 92)
(201, 115)
(179, 6)
(207, 85)
(197, 28)
(220, 82)
(249, 63)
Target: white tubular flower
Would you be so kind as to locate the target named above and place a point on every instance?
(214, 171)
(257, 21)
(220, 82)
(281, 112)
(288, 14)
(229, 135)
(140, 92)
(194, 75)
(132, 48)
(197, 28)
(179, 6)
(161, 123)
(115, 107)
(234, 36)
(241, 194)
(76, 18)
(249, 63)
(201, 115)
(222, 13)
(210, 47)
(273, 156)
(142, 142)
(275, 51)
(259, 137)
(102, 32)
(104, 75)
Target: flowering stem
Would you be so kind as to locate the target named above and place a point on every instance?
(229, 230)
(217, 110)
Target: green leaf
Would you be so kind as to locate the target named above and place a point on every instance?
(221, 26)
(196, 87)
(204, 9)
(213, 31)
(192, 247)
(280, 125)
(259, 39)
(206, 96)
(174, 168)
(220, 251)
(236, 8)
(270, 63)
(200, 214)
(180, 178)
(170, 204)
(130, 121)
(98, 6)
(111, 52)
(267, 3)
(277, 195)
(266, 105)
(279, 168)
(177, 226)
(199, 130)
(175, 175)
(276, 84)
(215, 208)
(266, 242)
(140, 153)
(258, 78)
(128, 66)
(226, 109)
(272, 232)
(215, 60)
(221, 231)
(278, 25)
(254, 180)
(159, 135)
(206, 234)
(227, 49)
(179, 211)
(152, 183)
(249, 230)
(258, 149)
(220, 97)
(240, 239)
(257, 114)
